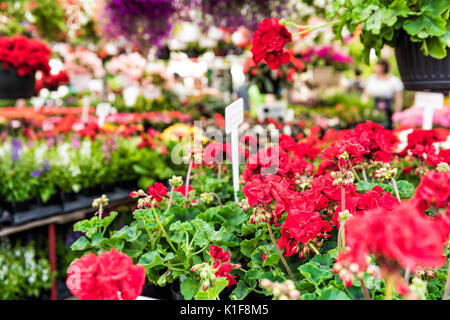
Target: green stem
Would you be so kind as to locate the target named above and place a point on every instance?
(447, 284)
(314, 248)
(396, 190)
(170, 200)
(162, 228)
(201, 250)
(279, 253)
(217, 197)
(364, 175)
(389, 291)
(356, 175)
(364, 289)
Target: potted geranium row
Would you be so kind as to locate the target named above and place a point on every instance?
(20, 58)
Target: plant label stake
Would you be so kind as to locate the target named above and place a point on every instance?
(102, 110)
(428, 101)
(234, 116)
(85, 113)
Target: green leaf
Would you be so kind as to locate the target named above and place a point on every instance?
(241, 291)
(315, 273)
(82, 243)
(331, 293)
(189, 287)
(151, 259)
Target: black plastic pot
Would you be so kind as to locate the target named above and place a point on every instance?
(68, 196)
(164, 53)
(93, 191)
(107, 187)
(128, 184)
(153, 291)
(420, 72)
(19, 206)
(14, 87)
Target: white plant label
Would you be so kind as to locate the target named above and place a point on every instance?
(234, 116)
(85, 113)
(102, 110)
(429, 101)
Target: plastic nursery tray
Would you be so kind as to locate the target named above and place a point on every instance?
(37, 212)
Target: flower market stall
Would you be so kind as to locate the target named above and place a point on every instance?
(249, 150)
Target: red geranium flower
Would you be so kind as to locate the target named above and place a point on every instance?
(157, 191)
(109, 276)
(268, 43)
(434, 190)
(404, 235)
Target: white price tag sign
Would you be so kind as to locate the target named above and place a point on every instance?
(85, 113)
(234, 116)
(428, 101)
(102, 110)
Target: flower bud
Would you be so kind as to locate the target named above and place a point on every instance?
(205, 285)
(176, 182)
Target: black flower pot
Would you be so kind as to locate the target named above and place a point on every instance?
(107, 187)
(154, 291)
(129, 184)
(420, 72)
(68, 196)
(12, 86)
(164, 53)
(19, 206)
(94, 191)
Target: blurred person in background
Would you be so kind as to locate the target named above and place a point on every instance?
(386, 90)
(356, 86)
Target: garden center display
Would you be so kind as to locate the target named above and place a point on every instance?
(224, 150)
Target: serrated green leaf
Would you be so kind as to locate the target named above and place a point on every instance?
(189, 287)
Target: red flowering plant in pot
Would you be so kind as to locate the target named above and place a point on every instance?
(272, 67)
(20, 58)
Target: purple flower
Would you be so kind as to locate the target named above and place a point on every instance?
(16, 145)
(35, 173)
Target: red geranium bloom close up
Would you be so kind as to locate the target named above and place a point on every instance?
(268, 43)
(109, 276)
(157, 191)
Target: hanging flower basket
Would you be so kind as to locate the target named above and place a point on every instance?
(12, 86)
(420, 72)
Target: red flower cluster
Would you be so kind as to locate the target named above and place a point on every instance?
(157, 191)
(433, 191)
(302, 225)
(403, 235)
(222, 263)
(216, 153)
(109, 276)
(268, 43)
(420, 145)
(52, 81)
(379, 143)
(25, 55)
(354, 150)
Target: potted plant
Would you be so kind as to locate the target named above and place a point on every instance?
(417, 29)
(20, 58)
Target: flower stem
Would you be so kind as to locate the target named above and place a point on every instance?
(364, 175)
(162, 228)
(396, 190)
(447, 284)
(389, 291)
(170, 201)
(217, 197)
(407, 273)
(279, 252)
(364, 289)
(188, 177)
(219, 171)
(356, 175)
(314, 248)
(341, 233)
